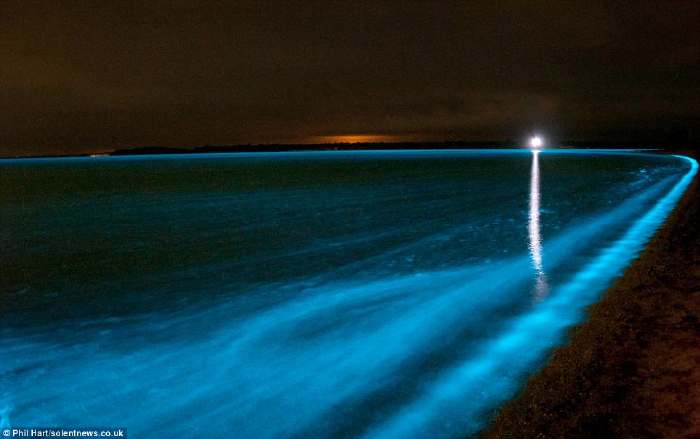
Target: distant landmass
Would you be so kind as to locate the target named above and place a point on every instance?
(387, 146)
(241, 148)
(313, 147)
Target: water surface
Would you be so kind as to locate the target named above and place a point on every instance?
(335, 294)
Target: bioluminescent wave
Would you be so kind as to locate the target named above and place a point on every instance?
(372, 294)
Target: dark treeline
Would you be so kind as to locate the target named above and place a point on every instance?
(398, 146)
(583, 144)
(316, 147)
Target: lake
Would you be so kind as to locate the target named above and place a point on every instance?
(323, 294)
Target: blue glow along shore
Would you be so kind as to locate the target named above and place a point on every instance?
(364, 294)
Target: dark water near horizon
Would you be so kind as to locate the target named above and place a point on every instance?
(333, 294)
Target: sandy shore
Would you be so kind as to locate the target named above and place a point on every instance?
(632, 369)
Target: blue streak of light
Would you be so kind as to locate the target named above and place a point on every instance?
(284, 370)
(490, 376)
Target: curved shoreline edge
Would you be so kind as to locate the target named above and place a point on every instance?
(631, 368)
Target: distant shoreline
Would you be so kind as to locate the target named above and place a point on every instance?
(248, 148)
(630, 369)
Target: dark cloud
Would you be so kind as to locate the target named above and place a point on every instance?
(85, 76)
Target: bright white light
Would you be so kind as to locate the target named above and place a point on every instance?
(536, 142)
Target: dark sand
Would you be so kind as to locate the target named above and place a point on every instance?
(632, 370)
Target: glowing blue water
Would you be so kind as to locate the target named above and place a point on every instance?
(376, 294)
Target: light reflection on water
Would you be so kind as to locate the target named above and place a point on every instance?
(533, 227)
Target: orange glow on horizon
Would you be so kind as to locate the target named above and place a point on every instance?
(359, 138)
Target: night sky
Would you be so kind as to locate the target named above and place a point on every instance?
(79, 76)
